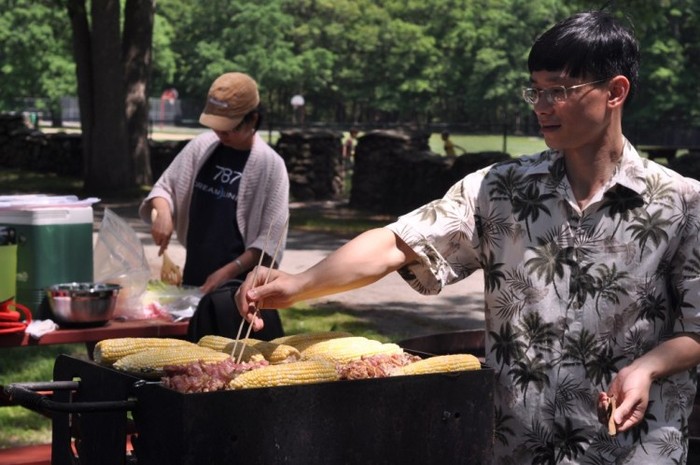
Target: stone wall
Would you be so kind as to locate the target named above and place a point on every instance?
(162, 154)
(313, 157)
(395, 171)
(25, 148)
(314, 162)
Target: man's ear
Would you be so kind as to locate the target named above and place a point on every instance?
(619, 90)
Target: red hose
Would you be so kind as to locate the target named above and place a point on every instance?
(10, 320)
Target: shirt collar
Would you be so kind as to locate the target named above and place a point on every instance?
(628, 173)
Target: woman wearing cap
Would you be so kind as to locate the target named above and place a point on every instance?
(225, 192)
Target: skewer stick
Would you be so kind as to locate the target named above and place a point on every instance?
(255, 278)
(612, 428)
(267, 278)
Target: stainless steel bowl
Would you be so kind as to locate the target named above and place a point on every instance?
(82, 304)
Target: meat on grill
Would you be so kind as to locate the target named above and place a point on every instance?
(205, 377)
(375, 366)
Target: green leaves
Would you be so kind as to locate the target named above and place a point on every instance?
(35, 55)
(360, 60)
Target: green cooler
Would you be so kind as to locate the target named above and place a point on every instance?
(54, 245)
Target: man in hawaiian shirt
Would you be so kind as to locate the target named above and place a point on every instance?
(591, 260)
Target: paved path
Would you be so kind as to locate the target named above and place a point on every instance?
(459, 306)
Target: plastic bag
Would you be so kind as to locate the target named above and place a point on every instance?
(119, 258)
(178, 302)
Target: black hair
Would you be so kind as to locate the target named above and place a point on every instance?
(593, 45)
(260, 111)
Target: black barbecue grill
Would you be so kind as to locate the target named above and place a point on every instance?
(426, 419)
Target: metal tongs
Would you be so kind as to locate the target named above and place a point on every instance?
(255, 280)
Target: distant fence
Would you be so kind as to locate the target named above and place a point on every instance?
(185, 112)
(165, 111)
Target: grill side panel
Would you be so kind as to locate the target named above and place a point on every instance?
(442, 418)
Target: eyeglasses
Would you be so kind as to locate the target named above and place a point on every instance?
(552, 95)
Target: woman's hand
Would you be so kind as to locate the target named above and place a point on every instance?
(216, 279)
(161, 224)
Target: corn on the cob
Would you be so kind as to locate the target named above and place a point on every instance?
(304, 372)
(304, 340)
(149, 363)
(346, 349)
(250, 353)
(215, 342)
(441, 364)
(226, 345)
(109, 351)
(273, 353)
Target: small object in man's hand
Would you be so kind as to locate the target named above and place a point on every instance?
(612, 428)
(606, 409)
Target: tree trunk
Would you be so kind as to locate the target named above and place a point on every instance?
(137, 48)
(83, 66)
(107, 166)
(110, 167)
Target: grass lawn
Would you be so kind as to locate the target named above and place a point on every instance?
(514, 145)
(20, 426)
(14, 181)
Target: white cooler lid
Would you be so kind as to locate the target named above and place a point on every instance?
(17, 202)
(46, 216)
(45, 210)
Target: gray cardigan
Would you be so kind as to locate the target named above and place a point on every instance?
(263, 196)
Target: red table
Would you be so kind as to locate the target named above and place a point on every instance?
(90, 336)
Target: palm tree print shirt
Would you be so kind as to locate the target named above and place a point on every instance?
(571, 297)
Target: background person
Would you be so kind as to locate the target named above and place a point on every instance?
(449, 146)
(590, 259)
(225, 192)
(349, 148)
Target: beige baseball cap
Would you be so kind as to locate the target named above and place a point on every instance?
(231, 97)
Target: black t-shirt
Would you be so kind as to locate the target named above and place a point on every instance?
(213, 237)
